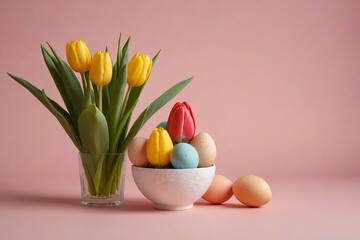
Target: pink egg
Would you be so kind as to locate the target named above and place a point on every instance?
(137, 151)
(219, 191)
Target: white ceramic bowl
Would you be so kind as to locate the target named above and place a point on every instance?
(173, 189)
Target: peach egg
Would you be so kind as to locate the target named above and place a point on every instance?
(219, 191)
(252, 191)
(137, 151)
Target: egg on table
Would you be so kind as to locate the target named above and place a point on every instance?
(206, 148)
(137, 152)
(220, 190)
(252, 191)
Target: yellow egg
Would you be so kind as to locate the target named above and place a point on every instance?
(252, 191)
(219, 191)
(206, 148)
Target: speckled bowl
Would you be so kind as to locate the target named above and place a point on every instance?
(173, 189)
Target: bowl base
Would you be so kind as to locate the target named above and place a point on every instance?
(173, 207)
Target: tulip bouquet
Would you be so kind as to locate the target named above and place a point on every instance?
(99, 109)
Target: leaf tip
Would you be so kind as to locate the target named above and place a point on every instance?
(11, 75)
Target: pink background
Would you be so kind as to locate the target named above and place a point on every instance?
(276, 85)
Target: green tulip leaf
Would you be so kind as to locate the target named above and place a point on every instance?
(87, 100)
(93, 130)
(61, 115)
(120, 129)
(50, 63)
(155, 57)
(106, 99)
(113, 79)
(113, 114)
(115, 68)
(64, 120)
(71, 83)
(96, 92)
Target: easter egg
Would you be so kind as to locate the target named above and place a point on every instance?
(252, 191)
(162, 124)
(137, 151)
(206, 148)
(220, 190)
(184, 156)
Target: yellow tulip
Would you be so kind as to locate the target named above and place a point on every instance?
(101, 69)
(78, 55)
(139, 70)
(159, 147)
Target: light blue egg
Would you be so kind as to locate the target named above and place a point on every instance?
(162, 124)
(184, 156)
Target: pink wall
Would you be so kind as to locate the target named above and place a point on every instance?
(277, 84)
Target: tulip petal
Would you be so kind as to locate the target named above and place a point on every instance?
(101, 68)
(78, 55)
(107, 65)
(139, 70)
(143, 69)
(181, 123)
(158, 148)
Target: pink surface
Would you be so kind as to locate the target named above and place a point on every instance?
(313, 208)
(276, 85)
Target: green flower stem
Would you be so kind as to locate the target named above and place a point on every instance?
(100, 98)
(103, 182)
(83, 81)
(87, 170)
(125, 102)
(114, 176)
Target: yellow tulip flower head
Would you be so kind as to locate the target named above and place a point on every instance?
(159, 147)
(139, 70)
(101, 68)
(78, 55)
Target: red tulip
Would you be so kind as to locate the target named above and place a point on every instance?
(181, 123)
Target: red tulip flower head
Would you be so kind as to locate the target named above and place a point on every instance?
(181, 123)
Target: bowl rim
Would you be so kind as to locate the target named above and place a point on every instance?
(173, 169)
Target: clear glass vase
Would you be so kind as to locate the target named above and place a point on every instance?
(102, 178)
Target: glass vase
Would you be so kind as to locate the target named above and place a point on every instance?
(102, 178)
